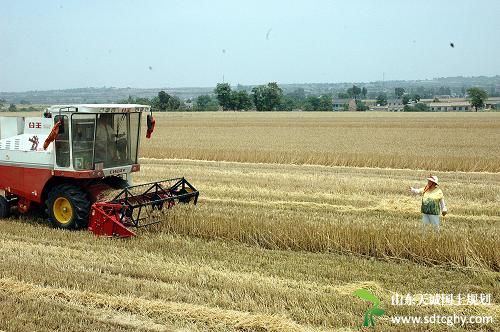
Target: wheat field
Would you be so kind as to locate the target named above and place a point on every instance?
(443, 141)
(282, 234)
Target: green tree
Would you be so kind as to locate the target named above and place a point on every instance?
(12, 108)
(399, 92)
(360, 106)
(418, 107)
(174, 103)
(142, 101)
(245, 100)
(267, 97)
(202, 102)
(293, 100)
(298, 94)
(273, 96)
(240, 100)
(163, 100)
(258, 93)
(325, 103)
(155, 104)
(406, 100)
(416, 98)
(382, 99)
(312, 104)
(354, 92)
(364, 91)
(477, 96)
(289, 103)
(205, 103)
(343, 95)
(132, 100)
(223, 94)
(158, 103)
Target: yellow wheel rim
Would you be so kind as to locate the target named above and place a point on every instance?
(63, 211)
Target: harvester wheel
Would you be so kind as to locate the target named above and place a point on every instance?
(68, 207)
(4, 207)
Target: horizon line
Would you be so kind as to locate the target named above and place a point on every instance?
(295, 83)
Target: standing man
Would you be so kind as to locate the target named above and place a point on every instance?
(432, 202)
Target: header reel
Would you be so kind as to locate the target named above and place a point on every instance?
(139, 206)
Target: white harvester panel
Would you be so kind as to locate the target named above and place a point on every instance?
(10, 126)
(26, 134)
(22, 142)
(38, 126)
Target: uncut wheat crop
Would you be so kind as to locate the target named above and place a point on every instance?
(338, 208)
(431, 141)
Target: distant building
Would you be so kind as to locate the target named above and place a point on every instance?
(189, 104)
(492, 103)
(377, 108)
(369, 102)
(395, 105)
(344, 104)
(450, 106)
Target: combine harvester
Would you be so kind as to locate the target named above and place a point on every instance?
(77, 161)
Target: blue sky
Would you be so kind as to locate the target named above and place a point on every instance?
(70, 44)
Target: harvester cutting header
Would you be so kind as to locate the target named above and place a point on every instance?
(76, 161)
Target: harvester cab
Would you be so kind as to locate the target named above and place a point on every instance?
(77, 162)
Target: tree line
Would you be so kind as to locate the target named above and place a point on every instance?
(270, 97)
(262, 98)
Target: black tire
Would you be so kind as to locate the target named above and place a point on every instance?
(4, 208)
(66, 196)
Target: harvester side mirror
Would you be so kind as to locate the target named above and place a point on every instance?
(151, 125)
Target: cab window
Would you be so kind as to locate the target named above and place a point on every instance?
(62, 142)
